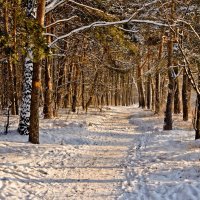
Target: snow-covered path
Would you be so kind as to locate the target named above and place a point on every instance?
(161, 165)
(121, 153)
(87, 169)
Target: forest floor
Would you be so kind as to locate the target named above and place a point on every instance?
(119, 153)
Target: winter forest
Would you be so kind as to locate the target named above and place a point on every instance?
(100, 99)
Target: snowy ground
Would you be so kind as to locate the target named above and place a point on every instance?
(162, 165)
(121, 153)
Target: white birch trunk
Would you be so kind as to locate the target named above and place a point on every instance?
(26, 95)
(24, 121)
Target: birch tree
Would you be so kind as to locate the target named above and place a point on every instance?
(24, 122)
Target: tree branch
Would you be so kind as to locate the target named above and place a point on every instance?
(188, 71)
(103, 24)
(192, 28)
(61, 20)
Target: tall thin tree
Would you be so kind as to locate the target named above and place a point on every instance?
(36, 83)
(24, 121)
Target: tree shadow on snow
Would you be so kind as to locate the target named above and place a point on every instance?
(64, 180)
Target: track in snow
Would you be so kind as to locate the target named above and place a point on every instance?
(115, 156)
(161, 165)
(92, 170)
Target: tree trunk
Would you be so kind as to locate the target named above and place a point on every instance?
(168, 123)
(148, 84)
(157, 94)
(9, 62)
(170, 97)
(128, 92)
(35, 97)
(177, 101)
(140, 88)
(82, 90)
(153, 95)
(186, 95)
(5, 77)
(157, 82)
(75, 89)
(11, 86)
(14, 65)
(69, 77)
(123, 90)
(91, 92)
(48, 89)
(197, 118)
(116, 89)
(36, 85)
(24, 121)
(59, 89)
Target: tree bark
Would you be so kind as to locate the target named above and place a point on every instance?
(14, 64)
(59, 89)
(48, 89)
(153, 95)
(117, 78)
(75, 89)
(168, 123)
(36, 84)
(157, 82)
(69, 78)
(82, 90)
(24, 121)
(170, 97)
(177, 101)
(9, 62)
(35, 97)
(148, 84)
(197, 118)
(186, 95)
(140, 87)
(91, 92)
